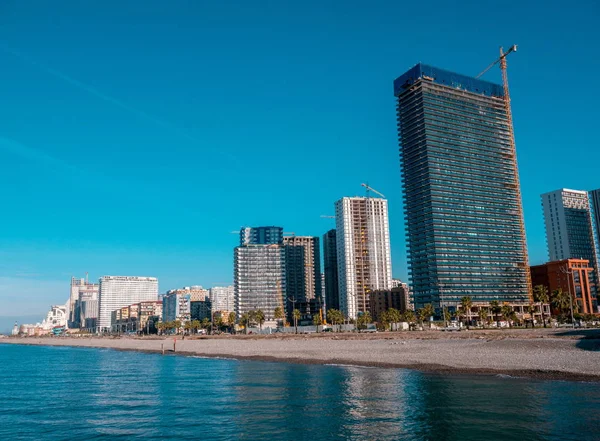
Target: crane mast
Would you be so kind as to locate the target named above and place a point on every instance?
(513, 156)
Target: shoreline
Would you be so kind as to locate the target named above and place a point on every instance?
(547, 355)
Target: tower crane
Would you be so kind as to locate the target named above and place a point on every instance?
(371, 189)
(513, 154)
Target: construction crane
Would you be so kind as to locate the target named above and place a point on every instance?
(372, 189)
(513, 154)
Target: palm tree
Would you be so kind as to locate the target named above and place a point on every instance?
(160, 326)
(363, 320)
(507, 313)
(467, 303)
(540, 294)
(296, 315)
(219, 323)
(429, 312)
(394, 316)
(231, 320)
(196, 325)
(447, 315)
(317, 321)
(187, 326)
(496, 309)
(245, 321)
(335, 317)
(278, 313)
(259, 317)
(177, 325)
(205, 324)
(409, 316)
(561, 300)
(483, 315)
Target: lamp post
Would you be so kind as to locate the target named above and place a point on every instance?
(565, 270)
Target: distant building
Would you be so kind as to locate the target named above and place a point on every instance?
(150, 314)
(382, 300)
(408, 301)
(89, 291)
(363, 251)
(464, 219)
(177, 305)
(119, 291)
(570, 228)
(87, 306)
(222, 298)
(57, 317)
(332, 298)
(201, 310)
(259, 271)
(302, 269)
(572, 276)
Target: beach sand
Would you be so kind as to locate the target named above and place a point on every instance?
(540, 353)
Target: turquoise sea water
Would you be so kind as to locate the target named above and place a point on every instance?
(52, 393)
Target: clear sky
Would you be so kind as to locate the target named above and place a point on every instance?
(136, 135)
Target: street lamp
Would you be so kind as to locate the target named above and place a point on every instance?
(565, 270)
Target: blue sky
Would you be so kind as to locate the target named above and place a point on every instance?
(135, 136)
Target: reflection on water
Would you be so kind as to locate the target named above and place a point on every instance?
(80, 394)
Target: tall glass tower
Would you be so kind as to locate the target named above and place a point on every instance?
(465, 234)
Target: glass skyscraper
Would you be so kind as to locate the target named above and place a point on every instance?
(465, 234)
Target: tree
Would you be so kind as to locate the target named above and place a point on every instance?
(496, 309)
(296, 315)
(245, 321)
(363, 320)
(187, 326)
(483, 315)
(507, 313)
(317, 321)
(447, 315)
(394, 316)
(409, 316)
(231, 321)
(259, 318)
(177, 325)
(429, 312)
(561, 300)
(540, 294)
(196, 325)
(335, 317)
(205, 324)
(384, 321)
(219, 323)
(467, 303)
(278, 313)
(160, 326)
(422, 315)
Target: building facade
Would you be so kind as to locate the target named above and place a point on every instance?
(80, 287)
(330, 263)
(302, 270)
(464, 218)
(259, 272)
(363, 251)
(201, 310)
(177, 305)
(571, 275)
(87, 305)
(119, 291)
(382, 300)
(222, 298)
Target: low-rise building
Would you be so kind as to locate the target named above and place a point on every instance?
(176, 305)
(384, 299)
(571, 275)
(201, 310)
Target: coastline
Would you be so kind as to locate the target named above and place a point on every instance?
(539, 354)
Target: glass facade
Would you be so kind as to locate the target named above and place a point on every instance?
(461, 190)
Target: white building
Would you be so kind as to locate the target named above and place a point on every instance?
(119, 291)
(363, 251)
(222, 298)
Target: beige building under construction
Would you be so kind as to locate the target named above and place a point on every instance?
(363, 251)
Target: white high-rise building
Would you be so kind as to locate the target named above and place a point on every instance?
(363, 251)
(222, 298)
(119, 291)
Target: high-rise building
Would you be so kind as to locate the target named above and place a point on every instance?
(570, 231)
(363, 251)
(261, 235)
(303, 267)
(87, 306)
(595, 207)
(79, 287)
(259, 271)
(332, 298)
(463, 210)
(222, 298)
(120, 291)
(177, 305)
